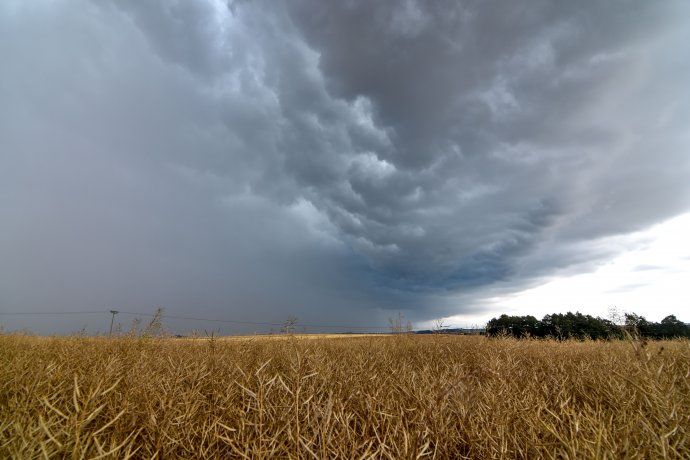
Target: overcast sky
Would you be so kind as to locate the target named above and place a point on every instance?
(343, 161)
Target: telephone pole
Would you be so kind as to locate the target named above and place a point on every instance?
(112, 320)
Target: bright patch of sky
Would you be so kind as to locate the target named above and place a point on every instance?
(651, 279)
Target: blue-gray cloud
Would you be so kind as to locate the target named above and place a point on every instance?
(332, 160)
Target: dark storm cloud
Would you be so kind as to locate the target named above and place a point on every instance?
(554, 121)
(332, 160)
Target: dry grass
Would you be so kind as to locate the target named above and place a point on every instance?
(284, 336)
(360, 397)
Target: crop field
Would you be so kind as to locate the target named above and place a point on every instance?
(393, 397)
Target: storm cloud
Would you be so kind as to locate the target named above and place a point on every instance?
(338, 161)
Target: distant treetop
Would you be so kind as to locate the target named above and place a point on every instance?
(579, 326)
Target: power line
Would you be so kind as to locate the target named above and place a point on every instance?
(189, 318)
(254, 323)
(52, 312)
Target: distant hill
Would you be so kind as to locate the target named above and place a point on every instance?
(455, 331)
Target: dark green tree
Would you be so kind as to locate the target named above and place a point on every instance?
(517, 326)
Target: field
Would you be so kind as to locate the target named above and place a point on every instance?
(354, 397)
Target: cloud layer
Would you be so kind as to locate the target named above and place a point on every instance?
(333, 161)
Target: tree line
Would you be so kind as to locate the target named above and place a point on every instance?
(579, 326)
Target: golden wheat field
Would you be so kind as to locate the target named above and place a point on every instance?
(360, 397)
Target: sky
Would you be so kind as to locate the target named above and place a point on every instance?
(341, 162)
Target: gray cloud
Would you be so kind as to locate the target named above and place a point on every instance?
(334, 161)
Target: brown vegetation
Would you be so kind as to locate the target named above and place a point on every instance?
(379, 396)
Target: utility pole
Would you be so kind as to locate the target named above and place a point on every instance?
(112, 320)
